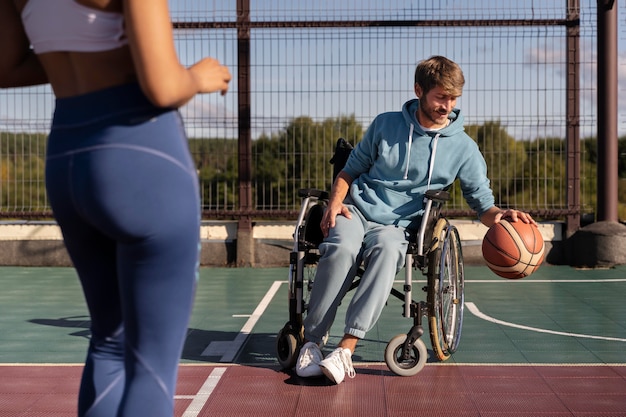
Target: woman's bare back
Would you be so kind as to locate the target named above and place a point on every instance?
(74, 73)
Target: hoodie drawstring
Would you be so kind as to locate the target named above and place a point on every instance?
(408, 158)
(432, 159)
(431, 166)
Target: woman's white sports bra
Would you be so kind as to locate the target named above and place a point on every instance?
(64, 25)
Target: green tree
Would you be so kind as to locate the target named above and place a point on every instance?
(216, 161)
(543, 183)
(298, 157)
(22, 159)
(505, 158)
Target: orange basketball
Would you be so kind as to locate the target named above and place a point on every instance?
(513, 249)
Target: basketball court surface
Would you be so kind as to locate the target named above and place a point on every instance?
(552, 344)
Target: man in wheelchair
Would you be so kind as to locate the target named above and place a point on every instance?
(375, 204)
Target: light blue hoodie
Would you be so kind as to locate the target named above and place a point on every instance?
(397, 161)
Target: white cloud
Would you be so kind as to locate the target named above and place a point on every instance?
(205, 117)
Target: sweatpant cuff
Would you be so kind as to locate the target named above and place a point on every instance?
(355, 332)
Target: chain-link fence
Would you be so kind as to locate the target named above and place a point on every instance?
(307, 73)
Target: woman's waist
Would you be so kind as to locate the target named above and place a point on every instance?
(112, 103)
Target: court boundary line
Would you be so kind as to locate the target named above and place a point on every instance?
(529, 281)
(204, 393)
(242, 336)
(476, 312)
(274, 366)
(236, 345)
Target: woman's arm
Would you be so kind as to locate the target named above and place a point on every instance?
(19, 66)
(163, 79)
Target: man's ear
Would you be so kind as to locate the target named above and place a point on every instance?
(418, 90)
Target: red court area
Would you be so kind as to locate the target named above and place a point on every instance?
(439, 390)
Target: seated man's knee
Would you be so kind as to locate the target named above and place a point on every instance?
(396, 253)
(346, 250)
(391, 247)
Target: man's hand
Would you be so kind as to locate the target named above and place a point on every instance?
(495, 214)
(515, 215)
(330, 214)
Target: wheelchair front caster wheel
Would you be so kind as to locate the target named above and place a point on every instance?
(287, 348)
(405, 366)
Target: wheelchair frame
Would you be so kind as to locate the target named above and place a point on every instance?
(436, 252)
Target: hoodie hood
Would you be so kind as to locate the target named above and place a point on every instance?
(409, 111)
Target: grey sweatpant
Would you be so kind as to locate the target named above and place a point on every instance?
(382, 248)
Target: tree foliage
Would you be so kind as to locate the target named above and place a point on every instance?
(298, 157)
(524, 174)
(505, 158)
(217, 164)
(22, 172)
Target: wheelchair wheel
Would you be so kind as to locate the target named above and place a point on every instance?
(290, 338)
(287, 347)
(405, 366)
(445, 292)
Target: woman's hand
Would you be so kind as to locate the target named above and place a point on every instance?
(211, 76)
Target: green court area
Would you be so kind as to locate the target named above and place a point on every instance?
(559, 315)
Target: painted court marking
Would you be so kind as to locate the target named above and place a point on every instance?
(543, 281)
(202, 396)
(230, 349)
(475, 311)
(200, 399)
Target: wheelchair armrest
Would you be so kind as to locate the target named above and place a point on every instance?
(312, 192)
(438, 196)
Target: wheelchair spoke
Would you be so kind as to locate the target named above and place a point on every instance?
(446, 295)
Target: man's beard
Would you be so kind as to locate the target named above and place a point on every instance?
(437, 116)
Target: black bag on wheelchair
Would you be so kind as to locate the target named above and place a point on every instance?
(340, 157)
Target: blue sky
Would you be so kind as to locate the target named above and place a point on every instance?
(517, 78)
(514, 75)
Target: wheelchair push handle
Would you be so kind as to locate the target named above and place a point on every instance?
(313, 192)
(438, 196)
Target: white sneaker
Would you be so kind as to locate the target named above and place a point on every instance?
(337, 365)
(308, 364)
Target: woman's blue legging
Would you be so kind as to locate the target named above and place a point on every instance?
(124, 190)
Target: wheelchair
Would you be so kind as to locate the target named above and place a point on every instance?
(435, 251)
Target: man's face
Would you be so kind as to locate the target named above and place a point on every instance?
(435, 106)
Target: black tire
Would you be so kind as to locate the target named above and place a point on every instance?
(405, 367)
(287, 348)
(452, 290)
(445, 292)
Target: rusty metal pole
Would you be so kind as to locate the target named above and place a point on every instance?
(607, 111)
(572, 132)
(245, 241)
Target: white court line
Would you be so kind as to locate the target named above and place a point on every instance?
(529, 281)
(475, 311)
(240, 339)
(202, 396)
(229, 356)
(555, 281)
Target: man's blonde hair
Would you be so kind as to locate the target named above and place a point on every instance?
(440, 71)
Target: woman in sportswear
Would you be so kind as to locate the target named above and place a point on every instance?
(120, 180)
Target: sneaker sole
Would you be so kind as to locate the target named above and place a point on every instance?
(310, 373)
(330, 375)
